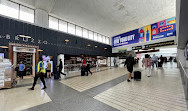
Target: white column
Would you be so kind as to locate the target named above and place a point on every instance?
(41, 18)
(181, 56)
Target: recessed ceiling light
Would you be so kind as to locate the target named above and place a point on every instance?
(40, 50)
(96, 46)
(88, 45)
(24, 36)
(66, 40)
(105, 48)
(4, 47)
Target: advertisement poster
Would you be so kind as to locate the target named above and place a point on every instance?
(159, 30)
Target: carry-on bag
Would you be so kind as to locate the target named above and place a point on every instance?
(137, 75)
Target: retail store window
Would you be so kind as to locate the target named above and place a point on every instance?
(79, 31)
(85, 33)
(62, 26)
(53, 23)
(10, 9)
(95, 37)
(91, 35)
(26, 14)
(71, 28)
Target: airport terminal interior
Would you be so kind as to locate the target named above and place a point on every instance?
(93, 55)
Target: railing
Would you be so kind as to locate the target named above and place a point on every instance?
(184, 77)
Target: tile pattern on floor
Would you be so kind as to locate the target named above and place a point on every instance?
(82, 83)
(18, 99)
(163, 91)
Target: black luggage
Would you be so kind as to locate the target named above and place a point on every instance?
(56, 76)
(83, 70)
(137, 75)
(159, 64)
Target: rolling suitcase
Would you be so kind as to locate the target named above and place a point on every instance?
(56, 76)
(83, 71)
(137, 75)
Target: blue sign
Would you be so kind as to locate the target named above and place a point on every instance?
(159, 30)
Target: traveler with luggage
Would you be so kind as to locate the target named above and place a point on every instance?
(83, 67)
(88, 68)
(147, 62)
(161, 60)
(40, 73)
(60, 66)
(129, 63)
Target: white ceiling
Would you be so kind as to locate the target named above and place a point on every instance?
(108, 17)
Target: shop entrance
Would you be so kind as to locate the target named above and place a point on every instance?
(26, 54)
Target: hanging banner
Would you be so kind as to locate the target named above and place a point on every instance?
(159, 30)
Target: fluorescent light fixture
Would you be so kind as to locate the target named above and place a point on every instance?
(24, 36)
(4, 47)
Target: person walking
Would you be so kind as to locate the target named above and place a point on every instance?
(114, 62)
(60, 66)
(161, 60)
(155, 60)
(21, 69)
(48, 69)
(147, 62)
(129, 63)
(88, 68)
(40, 73)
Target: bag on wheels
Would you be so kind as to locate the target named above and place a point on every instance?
(137, 75)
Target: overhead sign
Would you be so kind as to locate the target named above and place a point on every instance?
(153, 45)
(159, 30)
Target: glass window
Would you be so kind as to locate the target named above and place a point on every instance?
(99, 37)
(71, 28)
(62, 26)
(53, 23)
(85, 33)
(79, 31)
(91, 35)
(26, 14)
(95, 36)
(107, 40)
(10, 9)
(103, 39)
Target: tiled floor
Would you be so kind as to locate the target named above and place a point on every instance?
(82, 83)
(107, 90)
(17, 99)
(163, 91)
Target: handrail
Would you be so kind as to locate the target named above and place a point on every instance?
(183, 69)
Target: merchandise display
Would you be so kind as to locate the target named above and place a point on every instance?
(6, 73)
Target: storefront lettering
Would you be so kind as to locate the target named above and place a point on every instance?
(7, 36)
(17, 38)
(25, 39)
